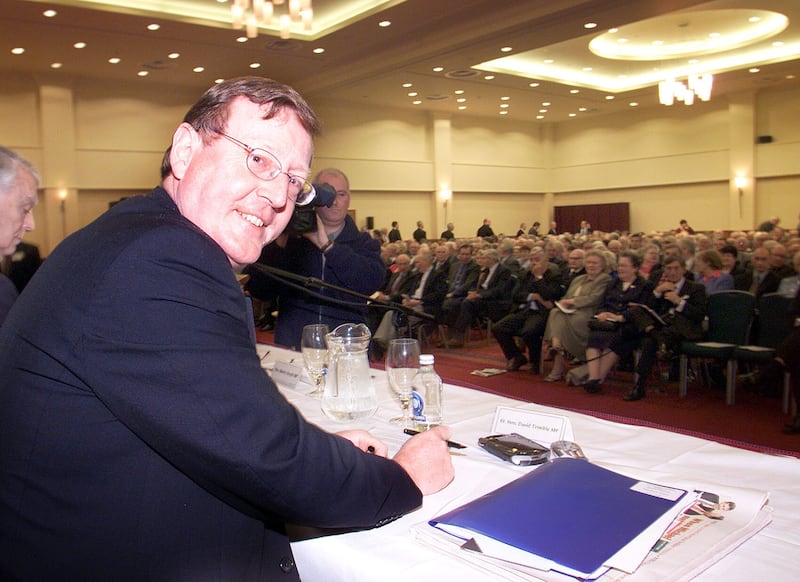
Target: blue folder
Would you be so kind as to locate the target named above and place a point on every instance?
(568, 511)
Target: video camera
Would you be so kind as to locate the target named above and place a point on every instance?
(304, 218)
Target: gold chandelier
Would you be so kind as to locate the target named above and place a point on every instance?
(696, 86)
(250, 14)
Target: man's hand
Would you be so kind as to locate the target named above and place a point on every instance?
(365, 441)
(426, 459)
(319, 237)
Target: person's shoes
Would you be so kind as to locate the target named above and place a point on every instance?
(516, 363)
(592, 386)
(636, 393)
(553, 377)
(793, 427)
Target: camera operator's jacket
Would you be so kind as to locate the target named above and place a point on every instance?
(353, 262)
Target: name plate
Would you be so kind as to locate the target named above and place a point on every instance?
(541, 427)
(286, 374)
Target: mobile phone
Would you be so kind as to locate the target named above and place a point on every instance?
(515, 449)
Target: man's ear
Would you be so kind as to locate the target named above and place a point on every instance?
(186, 142)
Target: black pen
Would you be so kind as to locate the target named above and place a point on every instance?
(451, 444)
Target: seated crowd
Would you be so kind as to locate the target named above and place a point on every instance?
(592, 298)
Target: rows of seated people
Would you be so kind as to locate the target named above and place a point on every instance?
(592, 299)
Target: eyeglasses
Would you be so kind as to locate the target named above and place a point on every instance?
(267, 167)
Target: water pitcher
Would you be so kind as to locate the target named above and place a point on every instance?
(349, 393)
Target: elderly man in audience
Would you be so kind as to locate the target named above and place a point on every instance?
(567, 328)
(778, 261)
(505, 250)
(19, 183)
(532, 300)
(760, 279)
(788, 286)
(572, 268)
(491, 296)
(682, 305)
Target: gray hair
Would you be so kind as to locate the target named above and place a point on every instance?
(10, 165)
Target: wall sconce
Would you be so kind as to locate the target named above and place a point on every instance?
(741, 183)
(445, 194)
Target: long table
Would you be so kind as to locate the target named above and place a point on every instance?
(391, 552)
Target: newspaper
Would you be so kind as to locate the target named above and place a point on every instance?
(715, 525)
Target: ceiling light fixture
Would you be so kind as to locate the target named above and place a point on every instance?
(250, 14)
(698, 86)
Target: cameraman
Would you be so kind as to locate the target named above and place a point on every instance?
(328, 246)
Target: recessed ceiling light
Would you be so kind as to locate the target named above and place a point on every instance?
(754, 19)
(533, 84)
(201, 69)
(506, 49)
(174, 55)
(610, 97)
(504, 105)
(545, 104)
(318, 50)
(385, 23)
(543, 111)
(633, 104)
(790, 76)
(461, 100)
(114, 60)
(574, 91)
(622, 40)
(462, 107)
(56, 65)
(413, 94)
(407, 85)
(540, 117)
(242, 39)
(79, 45)
(503, 112)
(590, 25)
(438, 69)
(754, 70)
(49, 13)
(251, 65)
(417, 102)
(581, 109)
(489, 77)
(218, 81)
(573, 114)
(505, 98)
(549, 61)
(153, 26)
(613, 30)
(17, 51)
(143, 73)
(459, 91)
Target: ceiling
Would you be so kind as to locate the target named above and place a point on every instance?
(448, 52)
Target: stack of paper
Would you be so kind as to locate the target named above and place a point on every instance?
(568, 516)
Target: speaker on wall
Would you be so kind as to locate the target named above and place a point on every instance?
(370, 222)
(764, 139)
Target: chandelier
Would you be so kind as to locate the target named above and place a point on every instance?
(696, 86)
(250, 14)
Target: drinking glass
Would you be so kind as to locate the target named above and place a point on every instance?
(315, 354)
(402, 364)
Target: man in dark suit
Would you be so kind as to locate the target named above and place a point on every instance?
(485, 229)
(397, 285)
(394, 234)
(490, 298)
(760, 279)
(462, 277)
(420, 235)
(139, 436)
(681, 303)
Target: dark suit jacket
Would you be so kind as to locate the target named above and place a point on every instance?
(687, 323)
(769, 284)
(433, 292)
(471, 277)
(140, 439)
(497, 295)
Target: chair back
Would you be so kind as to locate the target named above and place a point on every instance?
(730, 314)
(773, 322)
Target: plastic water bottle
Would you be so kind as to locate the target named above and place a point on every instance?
(427, 395)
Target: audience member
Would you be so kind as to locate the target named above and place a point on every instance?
(760, 279)
(572, 268)
(532, 299)
(485, 230)
(567, 327)
(522, 228)
(788, 285)
(614, 332)
(449, 233)
(19, 182)
(134, 411)
(394, 234)
(730, 262)
(553, 230)
(787, 359)
(534, 230)
(777, 261)
(681, 303)
(505, 249)
(651, 263)
(335, 252)
(420, 235)
(462, 277)
(491, 297)
(708, 266)
(684, 228)
(769, 225)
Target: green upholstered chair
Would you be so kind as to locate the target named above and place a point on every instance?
(730, 314)
(772, 327)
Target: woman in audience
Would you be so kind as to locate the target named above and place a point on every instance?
(708, 266)
(567, 326)
(651, 263)
(613, 325)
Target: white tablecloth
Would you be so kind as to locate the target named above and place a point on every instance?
(391, 553)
